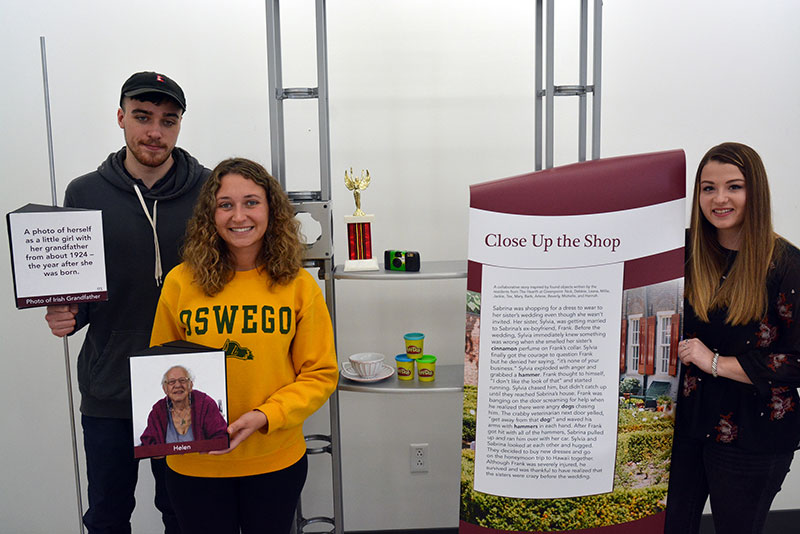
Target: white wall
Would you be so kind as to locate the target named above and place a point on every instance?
(431, 97)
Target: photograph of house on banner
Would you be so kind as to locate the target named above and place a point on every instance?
(648, 360)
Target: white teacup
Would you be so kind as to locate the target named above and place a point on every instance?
(367, 364)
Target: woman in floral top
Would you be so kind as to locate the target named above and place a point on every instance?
(738, 415)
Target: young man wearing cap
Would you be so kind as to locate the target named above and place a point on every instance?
(146, 191)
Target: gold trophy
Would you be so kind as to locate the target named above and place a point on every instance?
(359, 227)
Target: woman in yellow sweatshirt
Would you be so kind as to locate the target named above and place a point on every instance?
(241, 287)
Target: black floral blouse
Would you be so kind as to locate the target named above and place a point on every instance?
(764, 416)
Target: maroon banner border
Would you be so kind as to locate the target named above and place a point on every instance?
(597, 186)
(654, 269)
(652, 523)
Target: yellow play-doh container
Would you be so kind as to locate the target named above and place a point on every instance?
(414, 344)
(426, 368)
(405, 367)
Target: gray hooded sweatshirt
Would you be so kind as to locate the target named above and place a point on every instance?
(122, 325)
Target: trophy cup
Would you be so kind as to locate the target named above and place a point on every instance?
(359, 227)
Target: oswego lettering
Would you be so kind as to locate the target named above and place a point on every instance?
(229, 320)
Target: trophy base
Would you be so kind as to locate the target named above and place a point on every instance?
(361, 265)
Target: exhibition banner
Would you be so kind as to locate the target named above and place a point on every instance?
(574, 304)
(57, 255)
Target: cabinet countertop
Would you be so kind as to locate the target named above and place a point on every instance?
(429, 270)
(449, 378)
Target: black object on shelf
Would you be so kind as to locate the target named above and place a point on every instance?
(401, 260)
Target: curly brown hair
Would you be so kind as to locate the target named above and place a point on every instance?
(207, 254)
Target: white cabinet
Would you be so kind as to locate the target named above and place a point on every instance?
(378, 421)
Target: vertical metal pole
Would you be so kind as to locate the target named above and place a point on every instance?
(336, 463)
(596, 76)
(537, 116)
(277, 143)
(48, 122)
(584, 46)
(549, 87)
(275, 81)
(70, 402)
(330, 293)
(322, 103)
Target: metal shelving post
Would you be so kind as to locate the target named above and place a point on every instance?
(317, 204)
(550, 90)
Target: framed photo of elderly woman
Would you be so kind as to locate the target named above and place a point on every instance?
(179, 400)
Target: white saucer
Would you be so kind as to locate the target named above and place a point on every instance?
(350, 374)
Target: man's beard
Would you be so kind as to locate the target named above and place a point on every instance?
(146, 158)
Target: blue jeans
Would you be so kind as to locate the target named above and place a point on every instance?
(741, 486)
(112, 472)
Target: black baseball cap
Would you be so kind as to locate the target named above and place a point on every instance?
(153, 82)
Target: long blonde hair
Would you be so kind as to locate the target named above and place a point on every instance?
(743, 292)
(207, 254)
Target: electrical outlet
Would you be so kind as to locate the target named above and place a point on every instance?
(418, 457)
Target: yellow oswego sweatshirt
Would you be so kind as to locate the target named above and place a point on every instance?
(280, 354)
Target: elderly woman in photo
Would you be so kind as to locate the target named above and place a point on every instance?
(185, 414)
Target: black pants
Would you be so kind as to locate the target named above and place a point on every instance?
(256, 504)
(112, 473)
(741, 485)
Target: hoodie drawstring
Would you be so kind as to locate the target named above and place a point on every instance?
(158, 271)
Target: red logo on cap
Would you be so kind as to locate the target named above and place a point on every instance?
(159, 78)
